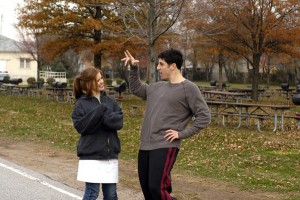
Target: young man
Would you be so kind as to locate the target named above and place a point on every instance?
(171, 104)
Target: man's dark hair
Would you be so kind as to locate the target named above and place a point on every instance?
(172, 56)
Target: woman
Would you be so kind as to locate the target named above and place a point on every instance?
(96, 117)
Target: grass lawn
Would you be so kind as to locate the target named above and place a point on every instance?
(250, 159)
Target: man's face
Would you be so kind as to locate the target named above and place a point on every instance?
(164, 69)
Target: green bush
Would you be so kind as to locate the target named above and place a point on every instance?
(31, 80)
(6, 79)
(70, 81)
(60, 67)
(108, 81)
(42, 80)
(50, 80)
(119, 81)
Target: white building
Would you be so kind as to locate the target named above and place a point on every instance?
(18, 63)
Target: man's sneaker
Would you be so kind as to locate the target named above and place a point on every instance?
(173, 198)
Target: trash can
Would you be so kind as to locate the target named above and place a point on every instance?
(39, 84)
(285, 86)
(297, 88)
(15, 80)
(213, 83)
(61, 85)
(53, 84)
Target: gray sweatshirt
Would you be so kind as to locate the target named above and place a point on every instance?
(169, 106)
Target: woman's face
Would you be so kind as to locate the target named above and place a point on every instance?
(99, 86)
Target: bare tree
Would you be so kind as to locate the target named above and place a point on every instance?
(148, 20)
(251, 28)
(30, 43)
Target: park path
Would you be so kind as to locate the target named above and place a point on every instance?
(61, 166)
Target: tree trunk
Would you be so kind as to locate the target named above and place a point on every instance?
(152, 66)
(268, 78)
(151, 43)
(221, 64)
(39, 65)
(268, 71)
(194, 71)
(98, 39)
(97, 54)
(38, 71)
(97, 60)
(255, 76)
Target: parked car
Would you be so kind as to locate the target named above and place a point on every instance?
(4, 74)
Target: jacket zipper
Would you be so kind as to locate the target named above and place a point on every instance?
(107, 140)
(108, 145)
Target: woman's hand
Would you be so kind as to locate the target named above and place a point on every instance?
(129, 59)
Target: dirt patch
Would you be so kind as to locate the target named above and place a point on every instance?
(62, 166)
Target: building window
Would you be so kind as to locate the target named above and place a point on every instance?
(24, 63)
(2, 65)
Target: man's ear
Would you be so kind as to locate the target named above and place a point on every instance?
(173, 66)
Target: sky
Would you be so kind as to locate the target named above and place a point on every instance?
(9, 17)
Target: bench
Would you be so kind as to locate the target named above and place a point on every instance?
(2, 91)
(260, 118)
(266, 95)
(271, 111)
(70, 97)
(35, 93)
(135, 107)
(295, 117)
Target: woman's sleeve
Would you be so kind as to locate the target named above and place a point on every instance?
(88, 123)
(113, 120)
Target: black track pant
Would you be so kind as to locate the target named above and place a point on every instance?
(154, 169)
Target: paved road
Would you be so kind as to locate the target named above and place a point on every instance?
(18, 183)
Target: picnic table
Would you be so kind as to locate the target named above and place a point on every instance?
(224, 95)
(13, 89)
(24, 89)
(60, 94)
(287, 93)
(8, 87)
(247, 90)
(110, 89)
(248, 110)
(207, 87)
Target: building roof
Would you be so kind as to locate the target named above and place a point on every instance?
(8, 45)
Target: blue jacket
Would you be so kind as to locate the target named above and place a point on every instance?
(97, 123)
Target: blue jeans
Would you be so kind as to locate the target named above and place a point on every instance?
(92, 191)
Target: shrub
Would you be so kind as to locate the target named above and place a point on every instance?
(119, 81)
(70, 81)
(60, 67)
(108, 81)
(31, 81)
(42, 80)
(50, 80)
(198, 75)
(6, 79)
